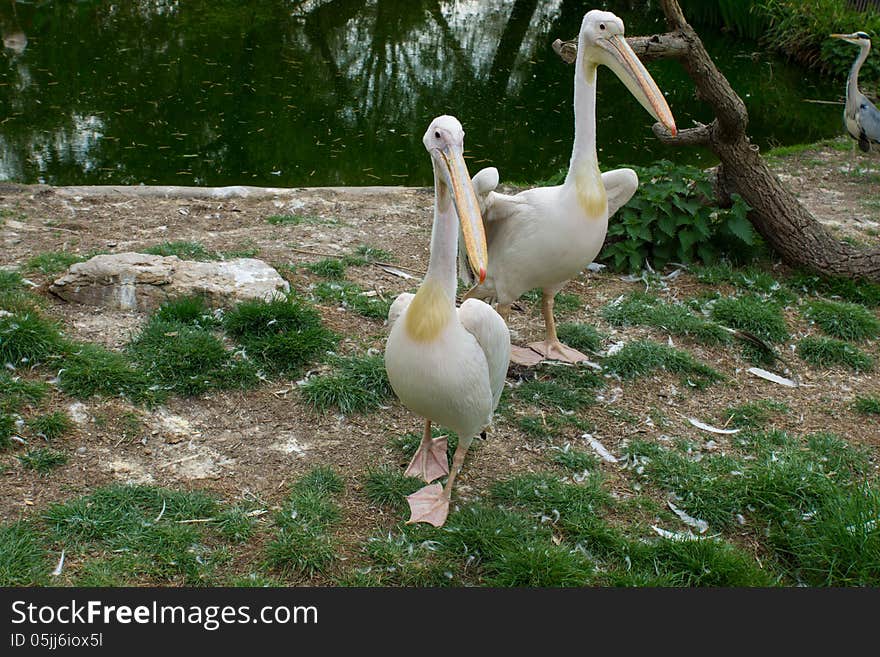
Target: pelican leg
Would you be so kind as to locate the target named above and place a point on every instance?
(551, 347)
(431, 503)
(518, 355)
(429, 462)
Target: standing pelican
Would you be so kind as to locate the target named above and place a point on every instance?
(447, 365)
(544, 237)
(860, 116)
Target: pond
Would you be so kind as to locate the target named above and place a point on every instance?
(339, 92)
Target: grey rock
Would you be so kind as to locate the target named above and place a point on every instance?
(137, 281)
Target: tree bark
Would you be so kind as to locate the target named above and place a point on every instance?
(786, 225)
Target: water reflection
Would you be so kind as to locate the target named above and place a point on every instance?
(333, 92)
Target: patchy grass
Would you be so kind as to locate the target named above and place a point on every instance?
(551, 395)
(353, 297)
(10, 281)
(753, 415)
(28, 339)
(134, 532)
(42, 459)
(332, 268)
(751, 279)
(356, 385)
(183, 250)
(847, 321)
(644, 357)
(827, 352)
(282, 335)
(296, 220)
(365, 254)
(192, 311)
(785, 486)
(575, 460)
(188, 360)
(563, 304)
(23, 558)
(387, 486)
(408, 443)
(867, 405)
(90, 369)
(53, 262)
(302, 545)
(640, 308)
(582, 337)
(51, 425)
(848, 289)
(753, 314)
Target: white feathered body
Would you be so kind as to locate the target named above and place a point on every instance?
(455, 379)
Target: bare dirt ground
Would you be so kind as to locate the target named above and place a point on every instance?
(254, 444)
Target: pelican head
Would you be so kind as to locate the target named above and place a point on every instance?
(444, 140)
(602, 41)
(856, 38)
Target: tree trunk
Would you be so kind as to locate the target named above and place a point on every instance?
(786, 225)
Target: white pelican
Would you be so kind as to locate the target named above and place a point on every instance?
(544, 237)
(445, 365)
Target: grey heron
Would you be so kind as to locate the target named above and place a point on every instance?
(861, 116)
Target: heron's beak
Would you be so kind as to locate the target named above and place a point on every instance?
(849, 38)
(468, 209)
(626, 65)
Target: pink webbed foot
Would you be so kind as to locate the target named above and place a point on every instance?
(428, 504)
(525, 356)
(429, 462)
(557, 351)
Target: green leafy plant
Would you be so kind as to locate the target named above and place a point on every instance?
(670, 218)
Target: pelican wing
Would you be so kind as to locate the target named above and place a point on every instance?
(491, 333)
(620, 185)
(401, 303)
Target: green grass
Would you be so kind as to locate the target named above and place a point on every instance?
(640, 308)
(582, 337)
(188, 360)
(827, 352)
(787, 488)
(23, 559)
(352, 297)
(51, 425)
(401, 561)
(357, 384)
(133, 533)
(15, 391)
(848, 289)
(847, 321)
(296, 220)
(753, 314)
(564, 303)
(366, 253)
(193, 310)
(302, 546)
(93, 370)
(10, 281)
(552, 395)
(644, 357)
(750, 278)
(282, 335)
(408, 443)
(183, 250)
(28, 339)
(387, 486)
(42, 459)
(867, 405)
(332, 268)
(753, 415)
(53, 262)
(575, 460)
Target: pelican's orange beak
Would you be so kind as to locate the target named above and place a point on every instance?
(468, 209)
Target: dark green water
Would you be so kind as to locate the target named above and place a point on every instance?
(339, 92)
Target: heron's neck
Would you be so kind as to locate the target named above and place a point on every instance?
(583, 171)
(852, 83)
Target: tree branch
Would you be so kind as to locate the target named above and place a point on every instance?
(659, 46)
(701, 135)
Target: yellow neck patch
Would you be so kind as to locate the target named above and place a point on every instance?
(428, 312)
(591, 192)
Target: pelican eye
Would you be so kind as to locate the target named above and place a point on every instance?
(437, 134)
(601, 26)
